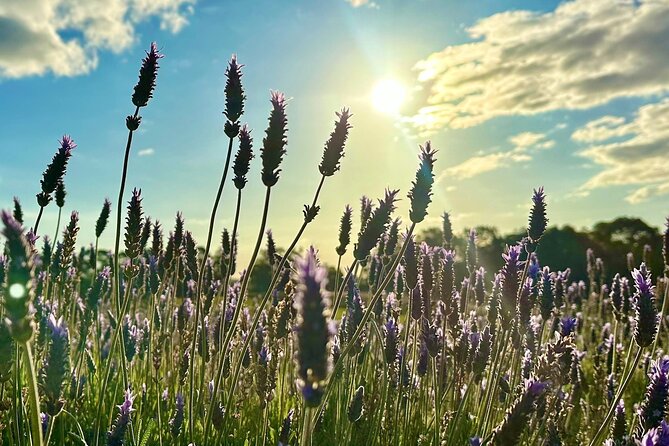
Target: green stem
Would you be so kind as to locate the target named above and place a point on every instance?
(33, 398)
(198, 293)
(119, 210)
(39, 217)
(614, 403)
(365, 318)
(55, 236)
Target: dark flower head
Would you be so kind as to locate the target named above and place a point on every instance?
(365, 210)
(133, 228)
(345, 230)
(243, 157)
(376, 225)
(421, 192)
(60, 194)
(447, 230)
(178, 419)
(116, 436)
(55, 171)
(312, 331)
(101, 224)
(234, 93)
(18, 211)
(147, 77)
(646, 317)
(284, 435)
(654, 406)
(334, 146)
(538, 220)
(658, 436)
(509, 431)
(274, 142)
(391, 340)
(567, 325)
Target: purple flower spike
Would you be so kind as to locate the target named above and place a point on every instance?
(658, 436)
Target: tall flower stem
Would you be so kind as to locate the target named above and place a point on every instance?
(365, 317)
(261, 306)
(198, 301)
(55, 236)
(39, 217)
(242, 292)
(221, 363)
(33, 398)
(105, 382)
(663, 312)
(119, 211)
(614, 403)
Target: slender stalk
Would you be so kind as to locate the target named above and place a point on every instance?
(39, 217)
(365, 317)
(258, 312)
(198, 300)
(119, 210)
(662, 313)
(33, 398)
(55, 236)
(242, 292)
(105, 382)
(219, 372)
(614, 403)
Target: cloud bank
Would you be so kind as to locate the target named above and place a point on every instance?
(64, 37)
(584, 54)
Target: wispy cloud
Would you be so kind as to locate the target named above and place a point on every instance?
(524, 145)
(630, 151)
(146, 152)
(64, 37)
(583, 54)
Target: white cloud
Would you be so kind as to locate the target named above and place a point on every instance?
(146, 152)
(524, 146)
(64, 37)
(583, 54)
(630, 151)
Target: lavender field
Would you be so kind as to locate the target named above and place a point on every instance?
(160, 339)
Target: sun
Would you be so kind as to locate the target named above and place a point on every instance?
(388, 96)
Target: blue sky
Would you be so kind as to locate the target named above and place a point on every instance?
(513, 94)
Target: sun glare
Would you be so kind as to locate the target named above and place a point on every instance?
(388, 96)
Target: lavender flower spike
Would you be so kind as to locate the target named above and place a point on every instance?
(344, 231)
(646, 316)
(116, 436)
(147, 77)
(243, 157)
(103, 219)
(654, 406)
(538, 220)
(312, 332)
(376, 225)
(234, 97)
(55, 171)
(274, 142)
(658, 436)
(421, 192)
(511, 428)
(334, 147)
